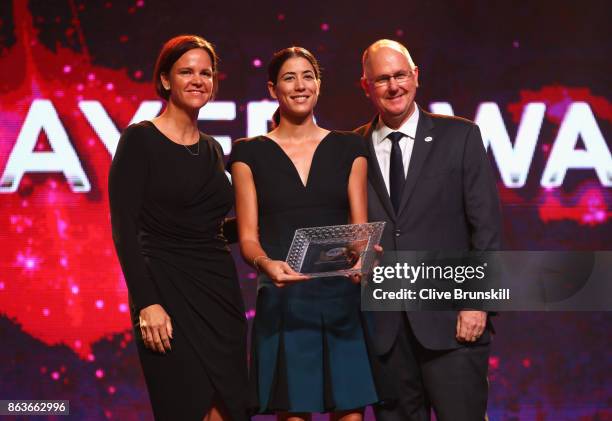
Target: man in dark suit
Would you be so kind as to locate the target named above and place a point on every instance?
(429, 177)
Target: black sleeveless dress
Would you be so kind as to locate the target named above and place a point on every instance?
(167, 208)
(309, 350)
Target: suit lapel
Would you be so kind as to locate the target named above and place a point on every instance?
(374, 173)
(419, 154)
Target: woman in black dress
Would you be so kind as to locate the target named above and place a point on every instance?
(168, 197)
(308, 345)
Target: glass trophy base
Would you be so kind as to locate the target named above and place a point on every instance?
(335, 250)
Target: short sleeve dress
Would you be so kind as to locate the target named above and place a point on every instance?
(168, 203)
(308, 348)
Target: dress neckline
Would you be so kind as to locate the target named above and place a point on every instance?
(150, 123)
(295, 170)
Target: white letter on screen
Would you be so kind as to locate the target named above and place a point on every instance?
(443, 108)
(104, 127)
(258, 115)
(220, 110)
(578, 122)
(513, 161)
(43, 116)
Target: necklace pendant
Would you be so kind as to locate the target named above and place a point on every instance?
(192, 153)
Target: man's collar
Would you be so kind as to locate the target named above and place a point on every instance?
(408, 128)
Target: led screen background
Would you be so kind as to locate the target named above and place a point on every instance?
(536, 78)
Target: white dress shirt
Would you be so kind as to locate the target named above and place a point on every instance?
(382, 144)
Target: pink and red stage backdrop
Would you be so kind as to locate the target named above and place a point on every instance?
(76, 73)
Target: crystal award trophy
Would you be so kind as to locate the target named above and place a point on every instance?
(335, 250)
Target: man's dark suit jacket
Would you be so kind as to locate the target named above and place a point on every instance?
(449, 202)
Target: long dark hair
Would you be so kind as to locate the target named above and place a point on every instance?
(279, 58)
(172, 50)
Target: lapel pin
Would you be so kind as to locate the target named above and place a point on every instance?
(428, 139)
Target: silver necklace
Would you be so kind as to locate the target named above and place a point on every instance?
(190, 151)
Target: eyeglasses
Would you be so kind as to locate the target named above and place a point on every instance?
(385, 80)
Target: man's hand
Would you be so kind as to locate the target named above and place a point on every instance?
(470, 325)
(156, 328)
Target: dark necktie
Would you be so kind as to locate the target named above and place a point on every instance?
(397, 176)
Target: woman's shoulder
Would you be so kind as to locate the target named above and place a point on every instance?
(142, 127)
(247, 150)
(347, 136)
(139, 132)
(251, 140)
(135, 143)
(212, 143)
(349, 140)
(137, 135)
(250, 144)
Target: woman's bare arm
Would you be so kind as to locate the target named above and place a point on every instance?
(246, 213)
(357, 191)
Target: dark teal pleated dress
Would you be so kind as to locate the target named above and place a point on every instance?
(309, 352)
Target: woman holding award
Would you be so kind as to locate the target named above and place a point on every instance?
(309, 352)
